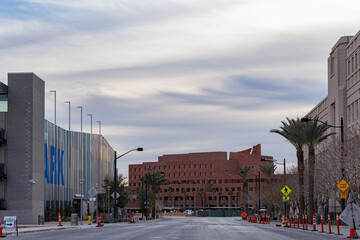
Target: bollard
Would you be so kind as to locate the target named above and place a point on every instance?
(294, 220)
(303, 221)
(263, 218)
(322, 223)
(351, 233)
(298, 220)
(59, 218)
(306, 221)
(1, 234)
(329, 222)
(314, 223)
(290, 221)
(338, 224)
(89, 220)
(286, 221)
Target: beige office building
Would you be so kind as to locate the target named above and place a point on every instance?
(343, 100)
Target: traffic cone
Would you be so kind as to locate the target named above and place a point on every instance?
(59, 217)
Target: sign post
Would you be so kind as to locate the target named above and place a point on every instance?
(286, 191)
(343, 186)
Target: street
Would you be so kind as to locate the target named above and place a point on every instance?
(196, 228)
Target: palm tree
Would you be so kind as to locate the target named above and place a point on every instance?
(185, 193)
(220, 194)
(244, 171)
(237, 198)
(230, 193)
(170, 193)
(293, 131)
(268, 169)
(201, 193)
(314, 134)
(213, 190)
(154, 179)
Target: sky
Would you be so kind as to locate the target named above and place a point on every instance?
(177, 76)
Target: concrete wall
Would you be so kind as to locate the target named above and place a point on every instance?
(25, 147)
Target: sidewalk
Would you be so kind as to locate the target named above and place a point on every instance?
(53, 226)
(49, 226)
(344, 229)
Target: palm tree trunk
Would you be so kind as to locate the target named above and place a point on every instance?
(300, 158)
(246, 194)
(311, 179)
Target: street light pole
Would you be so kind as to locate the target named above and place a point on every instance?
(69, 112)
(53, 91)
(342, 151)
(90, 122)
(146, 197)
(99, 127)
(139, 149)
(108, 188)
(81, 115)
(81, 198)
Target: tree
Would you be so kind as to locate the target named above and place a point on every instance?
(244, 171)
(237, 197)
(230, 193)
(170, 193)
(124, 194)
(155, 180)
(293, 131)
(213, 190)
(314, 134)
(201, 195)
(268, 169)
(220, 194)
(185, 193)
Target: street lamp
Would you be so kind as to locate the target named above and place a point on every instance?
(305, 119)
(275, 161)
(54, 91)
(81, 115)
(81, 198)
(99, 127)
(69, 112)
(139, 149)
(108, 188)
(257, 189)
(146, 195)
(90, 122)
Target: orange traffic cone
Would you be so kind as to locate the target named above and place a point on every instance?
(59, 218)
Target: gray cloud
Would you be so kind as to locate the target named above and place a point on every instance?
(177, 76)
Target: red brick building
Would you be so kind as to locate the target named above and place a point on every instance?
(217, 175)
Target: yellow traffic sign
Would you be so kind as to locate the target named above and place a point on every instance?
(286, 198)
(286, 190)
(342, 185)
(343, 195)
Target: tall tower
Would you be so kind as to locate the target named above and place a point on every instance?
(25, 147)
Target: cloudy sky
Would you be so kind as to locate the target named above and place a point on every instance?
(177, 76)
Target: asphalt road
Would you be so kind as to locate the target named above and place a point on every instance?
(186, 228)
